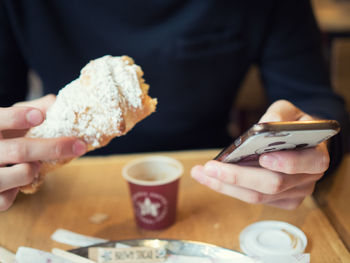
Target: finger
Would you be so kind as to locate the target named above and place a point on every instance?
(301, 191)
(42, 103)
(23, 150)
(283, 110)
(256, 178)
(17, 175)
(7, 198)
(246, 195)
(288, 204)
(311, 160)
(19, 118)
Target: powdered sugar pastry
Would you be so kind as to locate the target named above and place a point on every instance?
(105, 86)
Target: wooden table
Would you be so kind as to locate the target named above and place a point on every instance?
(75, 192)
(333, 195)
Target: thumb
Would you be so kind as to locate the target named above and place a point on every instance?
(42, 103)
(283, 110)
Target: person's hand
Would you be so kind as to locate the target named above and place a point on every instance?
(19, 156)
(283, 178)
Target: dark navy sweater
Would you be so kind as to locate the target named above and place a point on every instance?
(194, 55)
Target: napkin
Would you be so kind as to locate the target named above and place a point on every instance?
(6, 256)
(31, 255)
(74, 239)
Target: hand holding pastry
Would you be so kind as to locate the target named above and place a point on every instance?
(20, 156)
(106, 101)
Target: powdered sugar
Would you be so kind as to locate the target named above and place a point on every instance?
(91, 106)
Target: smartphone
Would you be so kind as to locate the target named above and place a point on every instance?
(278, 136)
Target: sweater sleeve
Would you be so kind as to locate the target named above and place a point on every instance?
(13, 69)
(293, 68)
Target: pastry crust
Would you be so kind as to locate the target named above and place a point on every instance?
(105, 102)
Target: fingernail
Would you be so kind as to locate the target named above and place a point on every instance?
(197, 174)
(34, 117)
(79, 148)
(268, 160)
(211, 170)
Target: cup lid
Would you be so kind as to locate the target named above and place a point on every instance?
(272, 238)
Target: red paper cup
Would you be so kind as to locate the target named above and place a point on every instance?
(153, 184)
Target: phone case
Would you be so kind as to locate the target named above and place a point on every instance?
(278, 136)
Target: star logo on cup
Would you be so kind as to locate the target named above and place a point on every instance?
(148, 208)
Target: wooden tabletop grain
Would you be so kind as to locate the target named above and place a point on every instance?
(333, 195)
(90, 185)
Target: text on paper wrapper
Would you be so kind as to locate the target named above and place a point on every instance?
(127, 255)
